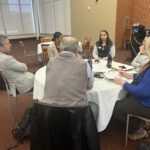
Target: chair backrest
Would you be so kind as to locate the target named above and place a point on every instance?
(45, 56)
(23, 46)
(127, 34)
(63, 128)
(87, 48)
(46, 39)
(27, 52)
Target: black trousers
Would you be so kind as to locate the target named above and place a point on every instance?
(130, 105)
(2, 84)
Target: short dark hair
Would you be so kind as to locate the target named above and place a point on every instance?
(56, 35)
(2, 38)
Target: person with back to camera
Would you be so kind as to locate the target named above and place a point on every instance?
(15, 72)
(103, 47)
(137, 101)
(68, 78)
(54, 48)
(140, 59)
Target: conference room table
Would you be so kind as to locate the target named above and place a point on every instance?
(104, 93)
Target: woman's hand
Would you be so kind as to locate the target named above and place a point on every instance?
(125, 74)
(119, 81)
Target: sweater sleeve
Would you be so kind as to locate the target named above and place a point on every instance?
(113, 51)
(135, 61)
(90, 77)
(95, 52)
(143, 87)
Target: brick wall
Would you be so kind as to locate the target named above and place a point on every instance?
(130, 11)
(123, 21)
(141, 12)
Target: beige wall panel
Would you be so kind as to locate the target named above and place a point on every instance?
(88, 22)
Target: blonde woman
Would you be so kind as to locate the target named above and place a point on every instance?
(140, 59)
(138, 100)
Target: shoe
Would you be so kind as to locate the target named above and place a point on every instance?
(139, 134)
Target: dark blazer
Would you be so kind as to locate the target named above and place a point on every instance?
(58, 128)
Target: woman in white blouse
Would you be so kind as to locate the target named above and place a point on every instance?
(54, 48)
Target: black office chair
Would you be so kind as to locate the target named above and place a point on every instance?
(59, 128)
(137, 37)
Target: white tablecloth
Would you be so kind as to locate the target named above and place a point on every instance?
(105, 93)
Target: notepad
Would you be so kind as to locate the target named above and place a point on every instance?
(111, 75)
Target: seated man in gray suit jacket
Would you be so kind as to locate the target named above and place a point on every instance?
(15, 72)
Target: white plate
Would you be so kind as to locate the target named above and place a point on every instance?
(118, 66)
(111, 75)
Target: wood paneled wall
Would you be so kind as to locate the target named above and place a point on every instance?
(141, 12)
(136, 10)
(123, 21)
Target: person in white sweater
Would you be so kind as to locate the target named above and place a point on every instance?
(140, 59)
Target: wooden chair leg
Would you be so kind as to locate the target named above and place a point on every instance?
(11, 109)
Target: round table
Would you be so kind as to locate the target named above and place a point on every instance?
(105, 93)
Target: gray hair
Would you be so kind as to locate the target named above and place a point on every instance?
(147, 45)
(2, 38)
(69, 44)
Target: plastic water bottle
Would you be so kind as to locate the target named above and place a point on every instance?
(90, 62)
(109, 61)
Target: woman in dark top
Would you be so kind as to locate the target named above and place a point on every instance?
(104, 46)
